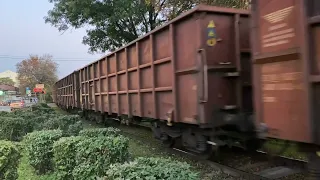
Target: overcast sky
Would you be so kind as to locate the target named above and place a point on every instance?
(23, 32)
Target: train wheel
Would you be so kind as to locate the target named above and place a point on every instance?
(99, 118)
(208, 153)
(197, 145)
(167, 141)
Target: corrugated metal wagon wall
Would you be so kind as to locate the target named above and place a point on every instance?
(67, 91)
(170, 72)
(286, 67)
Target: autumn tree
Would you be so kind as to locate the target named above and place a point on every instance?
(37, 70)
(7, 81)
(116, 22)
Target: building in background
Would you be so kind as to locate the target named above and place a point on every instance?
(8, 92)
(12, 75)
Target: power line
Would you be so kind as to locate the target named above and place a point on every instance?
(56, 59)
(13, 56)
(52, 59)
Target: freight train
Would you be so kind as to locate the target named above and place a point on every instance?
(213, 77)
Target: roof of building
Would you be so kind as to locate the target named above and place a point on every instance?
(5, 87)
(10, 74)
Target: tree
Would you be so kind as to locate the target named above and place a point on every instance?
(114, 23)
(37, 70)
(7, 81)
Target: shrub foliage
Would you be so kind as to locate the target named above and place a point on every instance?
(69, 124)
(95, 154)
(110, 131)
(42, 108)
(9, 160)
(65, 156)
(17, 124)
(39, 148)
(59, 143)
(151, 168)
(14, 128)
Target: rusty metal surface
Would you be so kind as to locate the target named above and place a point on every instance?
(284, 100)
(172, 71)
(278, 25)
(285, 36)
(66, 91)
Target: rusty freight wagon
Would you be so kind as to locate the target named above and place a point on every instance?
(285, 38)
(67, 92)
(192, 77)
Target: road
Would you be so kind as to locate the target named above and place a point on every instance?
(5, 108)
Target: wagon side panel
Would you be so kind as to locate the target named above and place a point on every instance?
(186, 68)
(164, 77)
(280, 71)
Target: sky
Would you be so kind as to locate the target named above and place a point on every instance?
(24, 32)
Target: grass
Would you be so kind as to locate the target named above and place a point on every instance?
(60, 111)
(292, 150)
(26, 172)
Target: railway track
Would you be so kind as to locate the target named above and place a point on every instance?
(238, 163)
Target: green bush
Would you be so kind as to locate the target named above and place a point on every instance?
(151, 168)
(9, 160)
(4, 114)
(27, 115)
(40, 120)
(19, 112)
(39, 148)
(65, 156)
(75, 128)
(14, 128)
(45, 105)
(42, 109)
(69, 124)
(95, 132)
(94, 154)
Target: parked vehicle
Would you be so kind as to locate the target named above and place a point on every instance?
(5, 103)
(17, 104)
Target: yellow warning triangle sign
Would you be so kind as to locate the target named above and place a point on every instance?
(211, 34)
(211, 24)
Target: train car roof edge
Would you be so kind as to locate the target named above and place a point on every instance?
(200, 7)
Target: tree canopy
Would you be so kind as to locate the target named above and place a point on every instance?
(37, 70)
(113, 23)
(6, 81)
